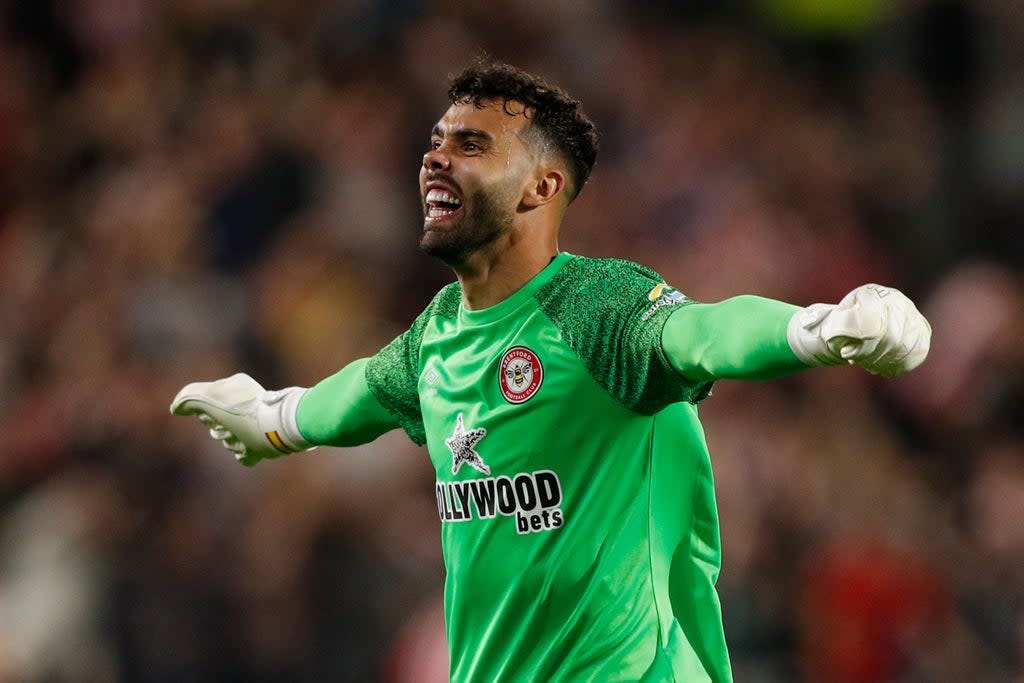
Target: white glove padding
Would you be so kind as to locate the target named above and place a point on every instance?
(249, 421)
(875, 327)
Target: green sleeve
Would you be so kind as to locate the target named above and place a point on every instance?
(393, 372)
(611, 313)
(740, 338)
(342, 411)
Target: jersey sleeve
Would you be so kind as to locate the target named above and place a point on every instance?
(342, 411)
(393, 373)
(739, 338)
(611, 314)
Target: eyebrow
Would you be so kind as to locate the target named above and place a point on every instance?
(462, 133)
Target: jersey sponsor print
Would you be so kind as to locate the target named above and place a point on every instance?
(461, 444)
(574, 507)
(533, 498)
(660, 296)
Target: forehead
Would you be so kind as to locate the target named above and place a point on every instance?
(492, 117)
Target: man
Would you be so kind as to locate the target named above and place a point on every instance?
(556, 397)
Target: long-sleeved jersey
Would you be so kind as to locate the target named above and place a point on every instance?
(574, 485)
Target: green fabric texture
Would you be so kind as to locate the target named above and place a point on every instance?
(566, 559)
(740, 338)
(604, 314)
(573, 481)
(341, 411)
(393, 372)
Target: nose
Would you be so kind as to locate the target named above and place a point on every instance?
(435, 160)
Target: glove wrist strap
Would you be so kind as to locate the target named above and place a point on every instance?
(804, 336)
(278, 422)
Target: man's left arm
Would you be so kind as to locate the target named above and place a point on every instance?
(754, 338)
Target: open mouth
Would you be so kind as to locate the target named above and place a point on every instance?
(441, 204)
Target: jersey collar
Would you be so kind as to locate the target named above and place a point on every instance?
(499, 310)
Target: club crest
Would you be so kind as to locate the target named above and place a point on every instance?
(520, 374)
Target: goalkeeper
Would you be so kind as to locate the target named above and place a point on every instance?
(556, 396)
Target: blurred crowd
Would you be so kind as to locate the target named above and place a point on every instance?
(193, 188)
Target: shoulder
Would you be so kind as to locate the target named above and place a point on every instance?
(393, 372)
(611, 312)
(599, 286)
(595, 271)
(445, 303)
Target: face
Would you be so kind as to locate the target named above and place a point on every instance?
(472, 179)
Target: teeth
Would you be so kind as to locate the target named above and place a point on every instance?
(442, 196)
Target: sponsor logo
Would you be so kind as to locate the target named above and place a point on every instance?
(520, 374)
(656, 292)
(662, 295)
(461, 443)
(534, 499)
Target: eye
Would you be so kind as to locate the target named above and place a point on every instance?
(471, 147)
(435, 143)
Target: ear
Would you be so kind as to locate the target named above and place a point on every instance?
(549, 184)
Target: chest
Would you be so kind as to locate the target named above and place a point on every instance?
(499, 397)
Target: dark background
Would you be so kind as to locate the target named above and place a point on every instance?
(192, 188)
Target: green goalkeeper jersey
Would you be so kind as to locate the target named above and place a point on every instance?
(574, 487)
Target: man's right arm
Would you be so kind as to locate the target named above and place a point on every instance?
(257, 424)
(342, 411)
(363, 400)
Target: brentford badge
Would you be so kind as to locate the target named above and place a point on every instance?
(520, 374)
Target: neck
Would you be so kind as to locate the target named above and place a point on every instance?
(494, 273)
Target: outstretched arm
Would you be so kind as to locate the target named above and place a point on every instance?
(749, 337)
(254, 423)
(740, 338)
(342, 411)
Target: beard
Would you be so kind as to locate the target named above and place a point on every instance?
(480, 223)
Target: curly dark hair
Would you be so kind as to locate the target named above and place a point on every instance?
(555, 116)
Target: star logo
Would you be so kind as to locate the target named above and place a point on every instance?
(461, 443)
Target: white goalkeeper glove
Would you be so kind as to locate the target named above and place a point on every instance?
(248, 420)
(875, 327)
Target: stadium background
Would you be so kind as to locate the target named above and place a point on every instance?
(189, 188)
